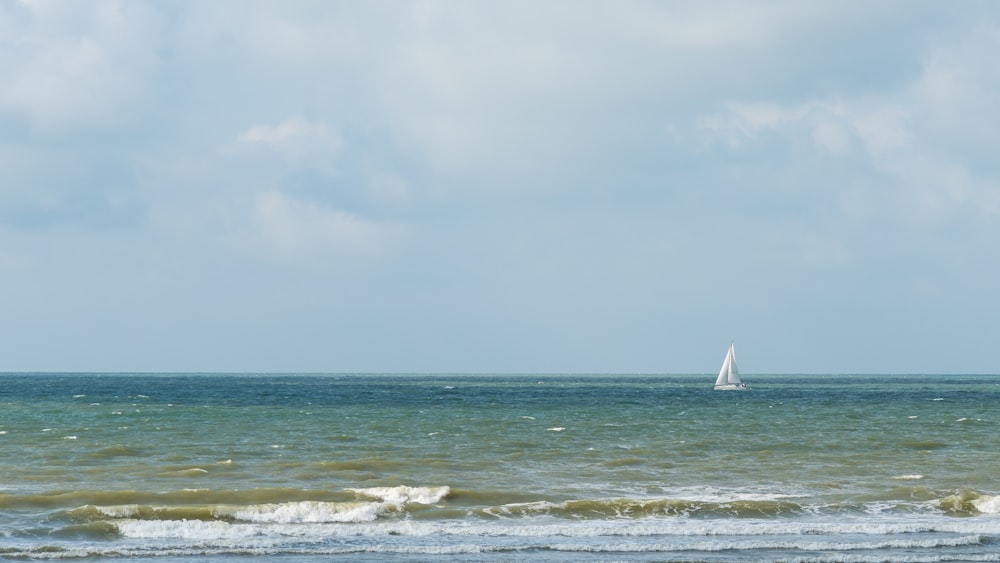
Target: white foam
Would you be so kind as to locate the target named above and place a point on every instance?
(539, 507)
(723, 495)
(987, 504)
(556, 429)
(736, 544)
(257, 548)
(513, 536)
(910, 477)
(308, 512)
(120, 511)
(187, 530)
(403, 494)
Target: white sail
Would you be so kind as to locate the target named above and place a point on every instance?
(729, 375)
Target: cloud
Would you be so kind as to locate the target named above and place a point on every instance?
(291, 228)
(546, 100)
(924, 148)
(531, 168)
(71, 66)
(295, 138)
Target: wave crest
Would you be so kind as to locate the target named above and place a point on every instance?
(403, 495)
(966, 502)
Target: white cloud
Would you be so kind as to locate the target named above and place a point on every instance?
(958, 85)
(930, 140)
(295, 138)
(827, 123)
(71, 65)
(295, 228)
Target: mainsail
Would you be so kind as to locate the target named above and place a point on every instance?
(729, 375)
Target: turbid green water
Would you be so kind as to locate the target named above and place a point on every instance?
(499, 468)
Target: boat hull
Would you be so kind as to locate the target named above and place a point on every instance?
(731, 387)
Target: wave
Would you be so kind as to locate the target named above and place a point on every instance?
(709, 531)
(967, 502)
(308, 505)
(404, 494)
(287, 506)
(642, 508)
(437, 520)
(218, 539)
(353, 505)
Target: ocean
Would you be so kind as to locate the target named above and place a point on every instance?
(492, 468)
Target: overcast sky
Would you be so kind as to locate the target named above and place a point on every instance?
(482, 186)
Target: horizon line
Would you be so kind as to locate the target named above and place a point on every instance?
(477, 373)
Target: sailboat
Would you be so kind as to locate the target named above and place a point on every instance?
(729, 376)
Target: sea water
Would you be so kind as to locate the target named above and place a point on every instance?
(538, 468)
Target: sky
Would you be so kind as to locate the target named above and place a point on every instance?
(499, 187)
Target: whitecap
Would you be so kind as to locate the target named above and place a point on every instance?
(913, 476)
(556, 429)
(987, 504)
(187, 529)
(191, 472)
(403, 494)
(120, 511)
(307, 512)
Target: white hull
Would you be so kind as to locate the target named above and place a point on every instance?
(731, 387)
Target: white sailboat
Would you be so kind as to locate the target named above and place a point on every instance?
(729, 376)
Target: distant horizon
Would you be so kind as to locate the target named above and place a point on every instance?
(498, 374)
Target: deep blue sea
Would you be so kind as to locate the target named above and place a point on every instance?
(490, 468)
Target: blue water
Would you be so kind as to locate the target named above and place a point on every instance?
(185, 467)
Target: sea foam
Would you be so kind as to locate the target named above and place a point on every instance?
(987, 504)
(307, 512)
(384, 500)
(403, 494)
